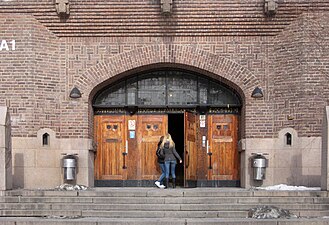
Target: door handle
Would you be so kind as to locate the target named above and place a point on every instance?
(207, 148)
(124, 160)
(209, 154)
(210, 164)
(124, 154)
(126, 147)
(188, 159)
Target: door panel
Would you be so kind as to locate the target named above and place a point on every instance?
(150, 129)
(190, 155)
(111, 137)
(222, 152)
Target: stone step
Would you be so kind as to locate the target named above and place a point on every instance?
(154, 207)
(199, 213)
(160, 221)
(149, 192)
(156, 203)
(38, 213)
(166, 200)
(125, 214)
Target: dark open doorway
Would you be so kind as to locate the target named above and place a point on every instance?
(176, 130)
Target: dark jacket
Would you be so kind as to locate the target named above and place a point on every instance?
(170, 153)
(159, 155)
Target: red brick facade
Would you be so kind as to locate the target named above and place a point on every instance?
(101, 41)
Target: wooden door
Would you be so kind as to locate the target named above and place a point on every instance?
(150, 128)
(190, 154)
(110, 136)
(222, 151)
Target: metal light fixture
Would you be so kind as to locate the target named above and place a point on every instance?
(131, 109)
(257, 93)
(75, 93)
(202, 109)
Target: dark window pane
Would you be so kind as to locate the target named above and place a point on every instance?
(45, 139)
(114, 95)
(288, 139)
(166, 87)
(221, 96)
(203, 91)
(182, 89)
(131, 91)
(152, 90)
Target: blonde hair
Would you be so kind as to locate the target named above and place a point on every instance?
(167, 138)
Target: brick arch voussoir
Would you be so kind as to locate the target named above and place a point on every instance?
(175, 54)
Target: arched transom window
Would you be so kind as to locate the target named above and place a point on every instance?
(167, 88)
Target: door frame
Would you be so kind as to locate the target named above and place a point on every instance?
(190, 148)
(202, 169)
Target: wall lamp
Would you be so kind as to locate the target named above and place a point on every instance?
(75, 93)
(131, 109)
(257, 93)
(202, 109)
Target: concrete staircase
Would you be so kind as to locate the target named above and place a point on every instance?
(156, 206)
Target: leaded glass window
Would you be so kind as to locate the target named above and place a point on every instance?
(131, 91)
(167, 88)
(152, 89)
(203, 91)
(115, 95)
(182, 90)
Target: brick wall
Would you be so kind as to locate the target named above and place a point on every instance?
(30, 75)
(140, 18)
(300, 73)
(229, 40)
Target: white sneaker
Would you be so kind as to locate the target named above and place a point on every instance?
(157, 183)
(162, 186)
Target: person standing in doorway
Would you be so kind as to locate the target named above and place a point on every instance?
(170, 155)
(159, 182)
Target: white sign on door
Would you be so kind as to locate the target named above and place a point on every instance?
(202, 120)
(131, 124)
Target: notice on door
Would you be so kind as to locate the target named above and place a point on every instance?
(202, 120)
(131, 124)
(132, 134)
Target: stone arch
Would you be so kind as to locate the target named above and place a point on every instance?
(188, 57)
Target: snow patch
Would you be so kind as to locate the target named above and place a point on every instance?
(284, 187)
(70, 187)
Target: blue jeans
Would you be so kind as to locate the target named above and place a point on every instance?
(170, 167)
(163, 172)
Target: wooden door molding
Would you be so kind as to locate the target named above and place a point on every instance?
(190, 152)
(150, 128)
(223, 158)
(110, 135)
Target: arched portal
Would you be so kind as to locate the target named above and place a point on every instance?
(202, 115)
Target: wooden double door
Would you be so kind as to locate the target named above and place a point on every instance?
(126, 148)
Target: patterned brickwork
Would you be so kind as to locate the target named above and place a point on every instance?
(232, 41)
(143, 18)
(30, 78)
(301, 75)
